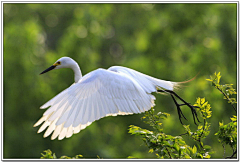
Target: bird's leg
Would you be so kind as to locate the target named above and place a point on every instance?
(194, 113)
(180, 114)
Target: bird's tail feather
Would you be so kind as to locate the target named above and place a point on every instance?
(178, 85)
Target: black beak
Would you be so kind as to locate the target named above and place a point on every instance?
(48, 69)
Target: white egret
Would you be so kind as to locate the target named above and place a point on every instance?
(115, 91)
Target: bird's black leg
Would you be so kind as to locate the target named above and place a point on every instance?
(194, 113)
(190, 106)
(180, 114)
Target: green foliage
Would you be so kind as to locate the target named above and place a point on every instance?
(168, 146)
(227, 90)
(227, 134)
(131, 157)
(48, 155)
(204, 108)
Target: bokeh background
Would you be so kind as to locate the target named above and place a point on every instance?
(168, 41)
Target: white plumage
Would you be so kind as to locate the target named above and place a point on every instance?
(115, 91)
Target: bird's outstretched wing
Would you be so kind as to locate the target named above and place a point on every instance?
(148, 83)
(98, 94)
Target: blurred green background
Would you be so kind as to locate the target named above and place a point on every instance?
(168, 41)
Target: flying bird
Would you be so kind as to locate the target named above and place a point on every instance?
(115, 91)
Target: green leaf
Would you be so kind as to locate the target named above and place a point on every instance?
(170, 142)
(234, 119)
(181, 142)
(187, 156)
(207, 157)
(54, 156)
(194, 149)
(176, 147)
(150, 151)
(202, 100)
(209, 80)
(79, 156)
(65, 157)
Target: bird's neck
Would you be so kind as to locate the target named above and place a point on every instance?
(77, 73)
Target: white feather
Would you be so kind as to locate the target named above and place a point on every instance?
(62, 133)
(44, 126)
(70, 118)
(42, 119)
(57, 131)
(69, 132)
(77, 129)
(51, 128)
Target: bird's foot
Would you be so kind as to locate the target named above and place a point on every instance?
(180, 114)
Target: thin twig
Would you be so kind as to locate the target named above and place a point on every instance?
(204, 122)
(169, 153)
(199, 140)
(230, 157)
(183, 134)
(153, 119)
(224, 150)
(226, 97)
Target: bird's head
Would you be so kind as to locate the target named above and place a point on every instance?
(63, 62)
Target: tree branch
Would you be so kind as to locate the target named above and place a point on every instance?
(231, 157)
(226, 97)
(169, 153)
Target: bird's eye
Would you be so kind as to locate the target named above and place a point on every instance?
(57, 63)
